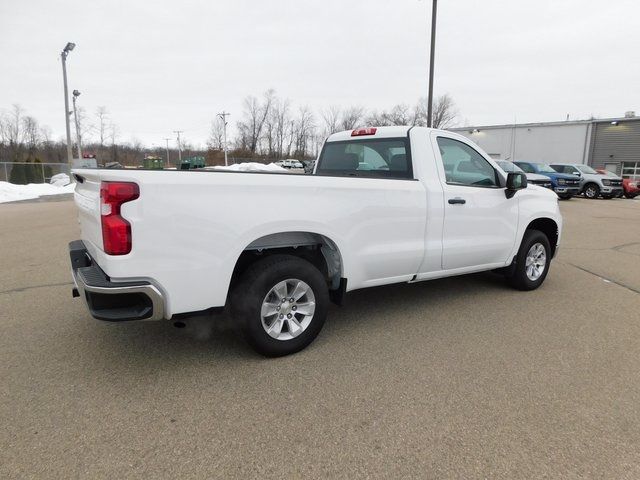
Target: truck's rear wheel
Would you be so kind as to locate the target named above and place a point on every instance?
(281, 302)
(532, 261)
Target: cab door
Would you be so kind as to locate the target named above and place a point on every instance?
(480, 222)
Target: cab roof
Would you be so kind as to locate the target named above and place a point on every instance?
(380, 132)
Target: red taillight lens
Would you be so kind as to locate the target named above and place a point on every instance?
(116, 231)
(358, 132)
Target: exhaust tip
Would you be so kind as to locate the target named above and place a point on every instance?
(179, 324)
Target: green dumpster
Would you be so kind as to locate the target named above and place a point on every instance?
(153, 163)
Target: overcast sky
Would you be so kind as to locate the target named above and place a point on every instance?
(167, 65)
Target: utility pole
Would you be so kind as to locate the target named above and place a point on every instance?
(76, 94)
(431, 58)
(70, 46)
(223, 115)
(179, 147)
(167, 140)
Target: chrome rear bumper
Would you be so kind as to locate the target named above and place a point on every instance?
(112, 301)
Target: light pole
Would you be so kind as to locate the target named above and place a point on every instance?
(223, 115)
(179, 147)
(70, 46)
(76, 94)
(167, 140)
(431, 57)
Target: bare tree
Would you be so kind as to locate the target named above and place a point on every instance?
(331, 119)
(255, 116)
(113, 133)
(351, 118)
(12, 130)
(445, 113)
(281, 121)
(32, 133)
(84, 126)
(103, 124)
(304, 131)
(216, 134)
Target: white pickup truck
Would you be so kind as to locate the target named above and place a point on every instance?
(385, 205)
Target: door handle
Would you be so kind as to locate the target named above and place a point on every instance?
(456, 200)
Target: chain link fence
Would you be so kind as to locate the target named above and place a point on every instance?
(31, 172)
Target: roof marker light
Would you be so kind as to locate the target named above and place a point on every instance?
(358, 132)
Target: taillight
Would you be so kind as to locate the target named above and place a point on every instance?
(358, 132)
(116, 231)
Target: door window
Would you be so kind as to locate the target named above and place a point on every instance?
(464, 166)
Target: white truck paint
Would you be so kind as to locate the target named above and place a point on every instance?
(190, 228)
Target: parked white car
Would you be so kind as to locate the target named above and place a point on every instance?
(275, 248)
(291, 163)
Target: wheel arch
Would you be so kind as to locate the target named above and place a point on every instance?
(317, 248)
(549, 227)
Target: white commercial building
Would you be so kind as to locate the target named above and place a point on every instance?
(612, 143)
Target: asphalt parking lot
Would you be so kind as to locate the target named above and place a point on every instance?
(455, 378)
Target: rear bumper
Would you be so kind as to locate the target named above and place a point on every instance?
(112, 301)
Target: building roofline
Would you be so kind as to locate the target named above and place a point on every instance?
(547, 124)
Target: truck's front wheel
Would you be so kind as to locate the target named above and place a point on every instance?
(281, 303)
(532, 261)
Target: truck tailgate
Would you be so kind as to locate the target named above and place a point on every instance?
(87, 198)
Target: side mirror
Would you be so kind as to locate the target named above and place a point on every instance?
(515, 181)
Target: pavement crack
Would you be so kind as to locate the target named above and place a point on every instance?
(31, 287)
(620, 284)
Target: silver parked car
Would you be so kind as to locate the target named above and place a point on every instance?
(592, 183)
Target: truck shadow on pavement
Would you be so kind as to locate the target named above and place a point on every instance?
(215, 337)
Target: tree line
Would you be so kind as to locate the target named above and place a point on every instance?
(269, 128)
(272, 128)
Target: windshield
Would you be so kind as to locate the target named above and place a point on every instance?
(543, 167)
(381, 158)
(585, 169)
(509, 167)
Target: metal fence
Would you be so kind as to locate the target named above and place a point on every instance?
(25, 172)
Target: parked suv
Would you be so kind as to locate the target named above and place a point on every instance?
(566, 186)
(532, 178)
(592, 184)
(630, 186)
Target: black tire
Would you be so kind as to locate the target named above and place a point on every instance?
(565, 196)
(591, 191)
(517, 277)
(254, 285)
(630, 196)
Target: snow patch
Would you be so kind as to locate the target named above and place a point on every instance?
(10, 192)
(60, 180)
(251, 167)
